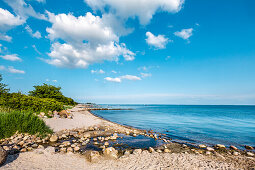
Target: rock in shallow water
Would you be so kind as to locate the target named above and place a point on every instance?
(248, 147)
(3, 156)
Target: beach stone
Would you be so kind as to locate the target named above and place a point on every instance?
(127, 152)
(63, 136)
(86, 135)
(250, 154)
(29, 148)
(73, 145)
(233, 147)
(76, 149)
(111, 153)
(151, 150)
(202, 146)
(113, 137)
(210, 149)
(69, 149)
(23, 150)
(167, 150)
(235, 153)
(54, 138)
(34, 145)
(248, 147)
(137, 151)
(40, 147)
(159, 150)
(93, 156)
(63, 114)
(3, 156)
(6, 148)
(106, 143)
(62, 149)
(220, 146)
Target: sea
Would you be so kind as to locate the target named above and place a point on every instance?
(191, 124)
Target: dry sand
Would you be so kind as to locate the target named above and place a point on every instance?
(48, 159)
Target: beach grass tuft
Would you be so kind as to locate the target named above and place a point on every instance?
(11, 122)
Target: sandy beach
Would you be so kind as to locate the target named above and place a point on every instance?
(49, 159)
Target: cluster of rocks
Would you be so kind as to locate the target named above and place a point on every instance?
(61, 114)
(104, 138)
(223, 149)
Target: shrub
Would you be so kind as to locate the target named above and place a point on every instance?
(3, 88)
(18, 101)
(15, 121)
(50, 91)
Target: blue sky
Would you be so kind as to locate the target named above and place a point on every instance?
(130, 51)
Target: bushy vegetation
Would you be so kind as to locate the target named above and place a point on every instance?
(52, 92)
(21, 102)
(3, 88)
(15, 121)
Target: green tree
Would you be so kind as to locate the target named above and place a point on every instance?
(50, 91)
(3, 86)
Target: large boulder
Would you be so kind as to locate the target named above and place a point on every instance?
(63, 114)
(93, 156)
(3, 156)
(111, 153)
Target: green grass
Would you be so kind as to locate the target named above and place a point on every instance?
(11, 122)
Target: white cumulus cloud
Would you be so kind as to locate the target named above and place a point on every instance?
(146, 75)
(87, 39)
(157, 41)
(143, 9)
(117, 80)
(120, 78)
(130, 77)
(37, 34)
(100, 71)
(24, 10)
(12, 57)
(15, 71)
(184, 33)
(7, 22)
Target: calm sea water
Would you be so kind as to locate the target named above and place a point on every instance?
(228, 125)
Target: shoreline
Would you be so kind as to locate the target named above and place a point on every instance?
(190, 143)
(98, 132)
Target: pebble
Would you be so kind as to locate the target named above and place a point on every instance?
(159, 151)
(76, 148)
(62, 149)
(151, 150)
(137, 151)
(69, 149)
(235, 153)
(23, 150)
(220, 146)
(167, 150)
(250, 154)
(111, 153)
(54, 138)
(40, 147)
(209, 149)
(106, 143)
(248, 147)
(202, 146)
(93, 156)
(233, 147)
